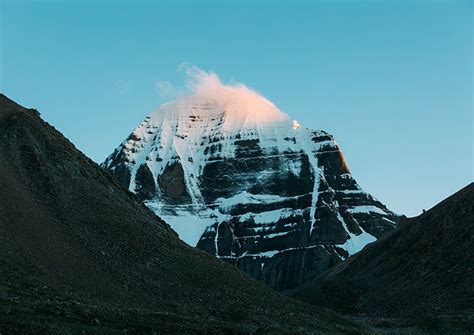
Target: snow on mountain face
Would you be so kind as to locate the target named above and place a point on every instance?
(235, 177)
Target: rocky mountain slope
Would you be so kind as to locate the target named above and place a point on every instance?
(423, 272)
(239, 179)
(79, 253)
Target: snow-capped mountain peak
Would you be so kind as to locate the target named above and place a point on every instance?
(238, 178)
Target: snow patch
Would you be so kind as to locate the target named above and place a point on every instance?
(366, 210)
(354, 243)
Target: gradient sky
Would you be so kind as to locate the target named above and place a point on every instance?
(391, 80)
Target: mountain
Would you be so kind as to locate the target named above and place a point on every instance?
(80, 254)
(422, 272)
(239, 179)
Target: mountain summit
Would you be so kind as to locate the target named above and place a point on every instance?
(238, 178)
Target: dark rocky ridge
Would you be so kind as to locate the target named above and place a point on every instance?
(422, 273)
(80, 253)
(295, 210)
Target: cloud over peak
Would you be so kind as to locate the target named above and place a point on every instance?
(207, 84)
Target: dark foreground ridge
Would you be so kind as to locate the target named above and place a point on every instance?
(80, 253)
(422, 273)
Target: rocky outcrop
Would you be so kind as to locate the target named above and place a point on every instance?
(171, 182)
(276, 201)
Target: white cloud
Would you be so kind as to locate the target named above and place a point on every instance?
(245, 103)
(167, 91)
(208, 85)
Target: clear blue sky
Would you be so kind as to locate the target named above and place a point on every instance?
(392, 80)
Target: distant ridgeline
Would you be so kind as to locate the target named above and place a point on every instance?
(250, 186)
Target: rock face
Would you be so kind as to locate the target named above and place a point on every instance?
(245, 183)
(80, 254)
(422, 272)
